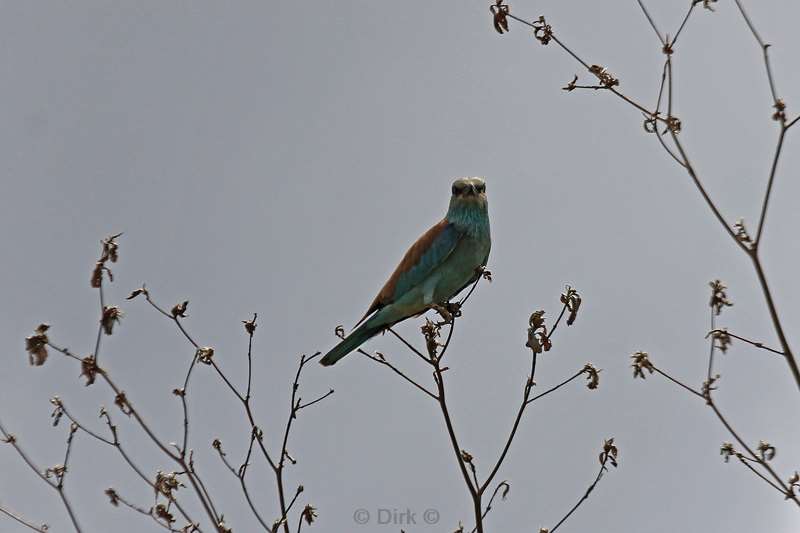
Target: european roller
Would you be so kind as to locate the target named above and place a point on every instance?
(445, 259)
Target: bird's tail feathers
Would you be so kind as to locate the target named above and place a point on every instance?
(358, 337)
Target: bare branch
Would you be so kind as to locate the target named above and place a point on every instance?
(765, 204)
(555, 388)
(652, 22)
(679, 383)
(502, 485)
(764, 49)
(41, 529)
(605, 458)
(757, 344)
(683, 24)
(382, 360)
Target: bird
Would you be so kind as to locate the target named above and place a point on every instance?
(445, 260)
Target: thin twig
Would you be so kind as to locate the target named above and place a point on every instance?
(772, 484)
(710, 402)
(463, 300)
(768, 193)
(529, 383)
(438, 378)
(160, 444)
(655, 128)
(652, 23)
(506, 487)
(679, 383)
(118, 498)
(41, 529)
(764, 49)
(57, 485)
(295, 406)
(748, 341)
(751, 453)
(225, 379)
(117, 444)
(564, 47)
(698, 184)
(99, 337)
(241, 475)
(471, 487)
(397, 371)
(81, 426)
(683, 24)
(555, 388)
(8, 438)
(558, 321)
(309, 404)
(410, 346)
(776, 321)
(284, 517)
(712, 347)
(584, 497)
(185, 406)
(669, 151)
(192, 473)
(63, 476)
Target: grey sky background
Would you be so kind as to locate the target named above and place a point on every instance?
(279, 158)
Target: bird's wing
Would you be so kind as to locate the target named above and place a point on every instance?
(474, 278)
(430, 250)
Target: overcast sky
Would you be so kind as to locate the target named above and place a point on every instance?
(279, 157)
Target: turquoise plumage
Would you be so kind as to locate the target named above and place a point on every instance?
(444, 260)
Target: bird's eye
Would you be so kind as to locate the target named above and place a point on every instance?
(457, 188)
(481, 187)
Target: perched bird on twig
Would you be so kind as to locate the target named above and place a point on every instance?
(445, 259)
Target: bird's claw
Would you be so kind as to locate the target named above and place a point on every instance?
(449, 311)
(454, 308)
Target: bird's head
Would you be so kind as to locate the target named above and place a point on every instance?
(468, 204)
(469, 191)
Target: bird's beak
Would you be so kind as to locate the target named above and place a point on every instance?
(472, 190)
